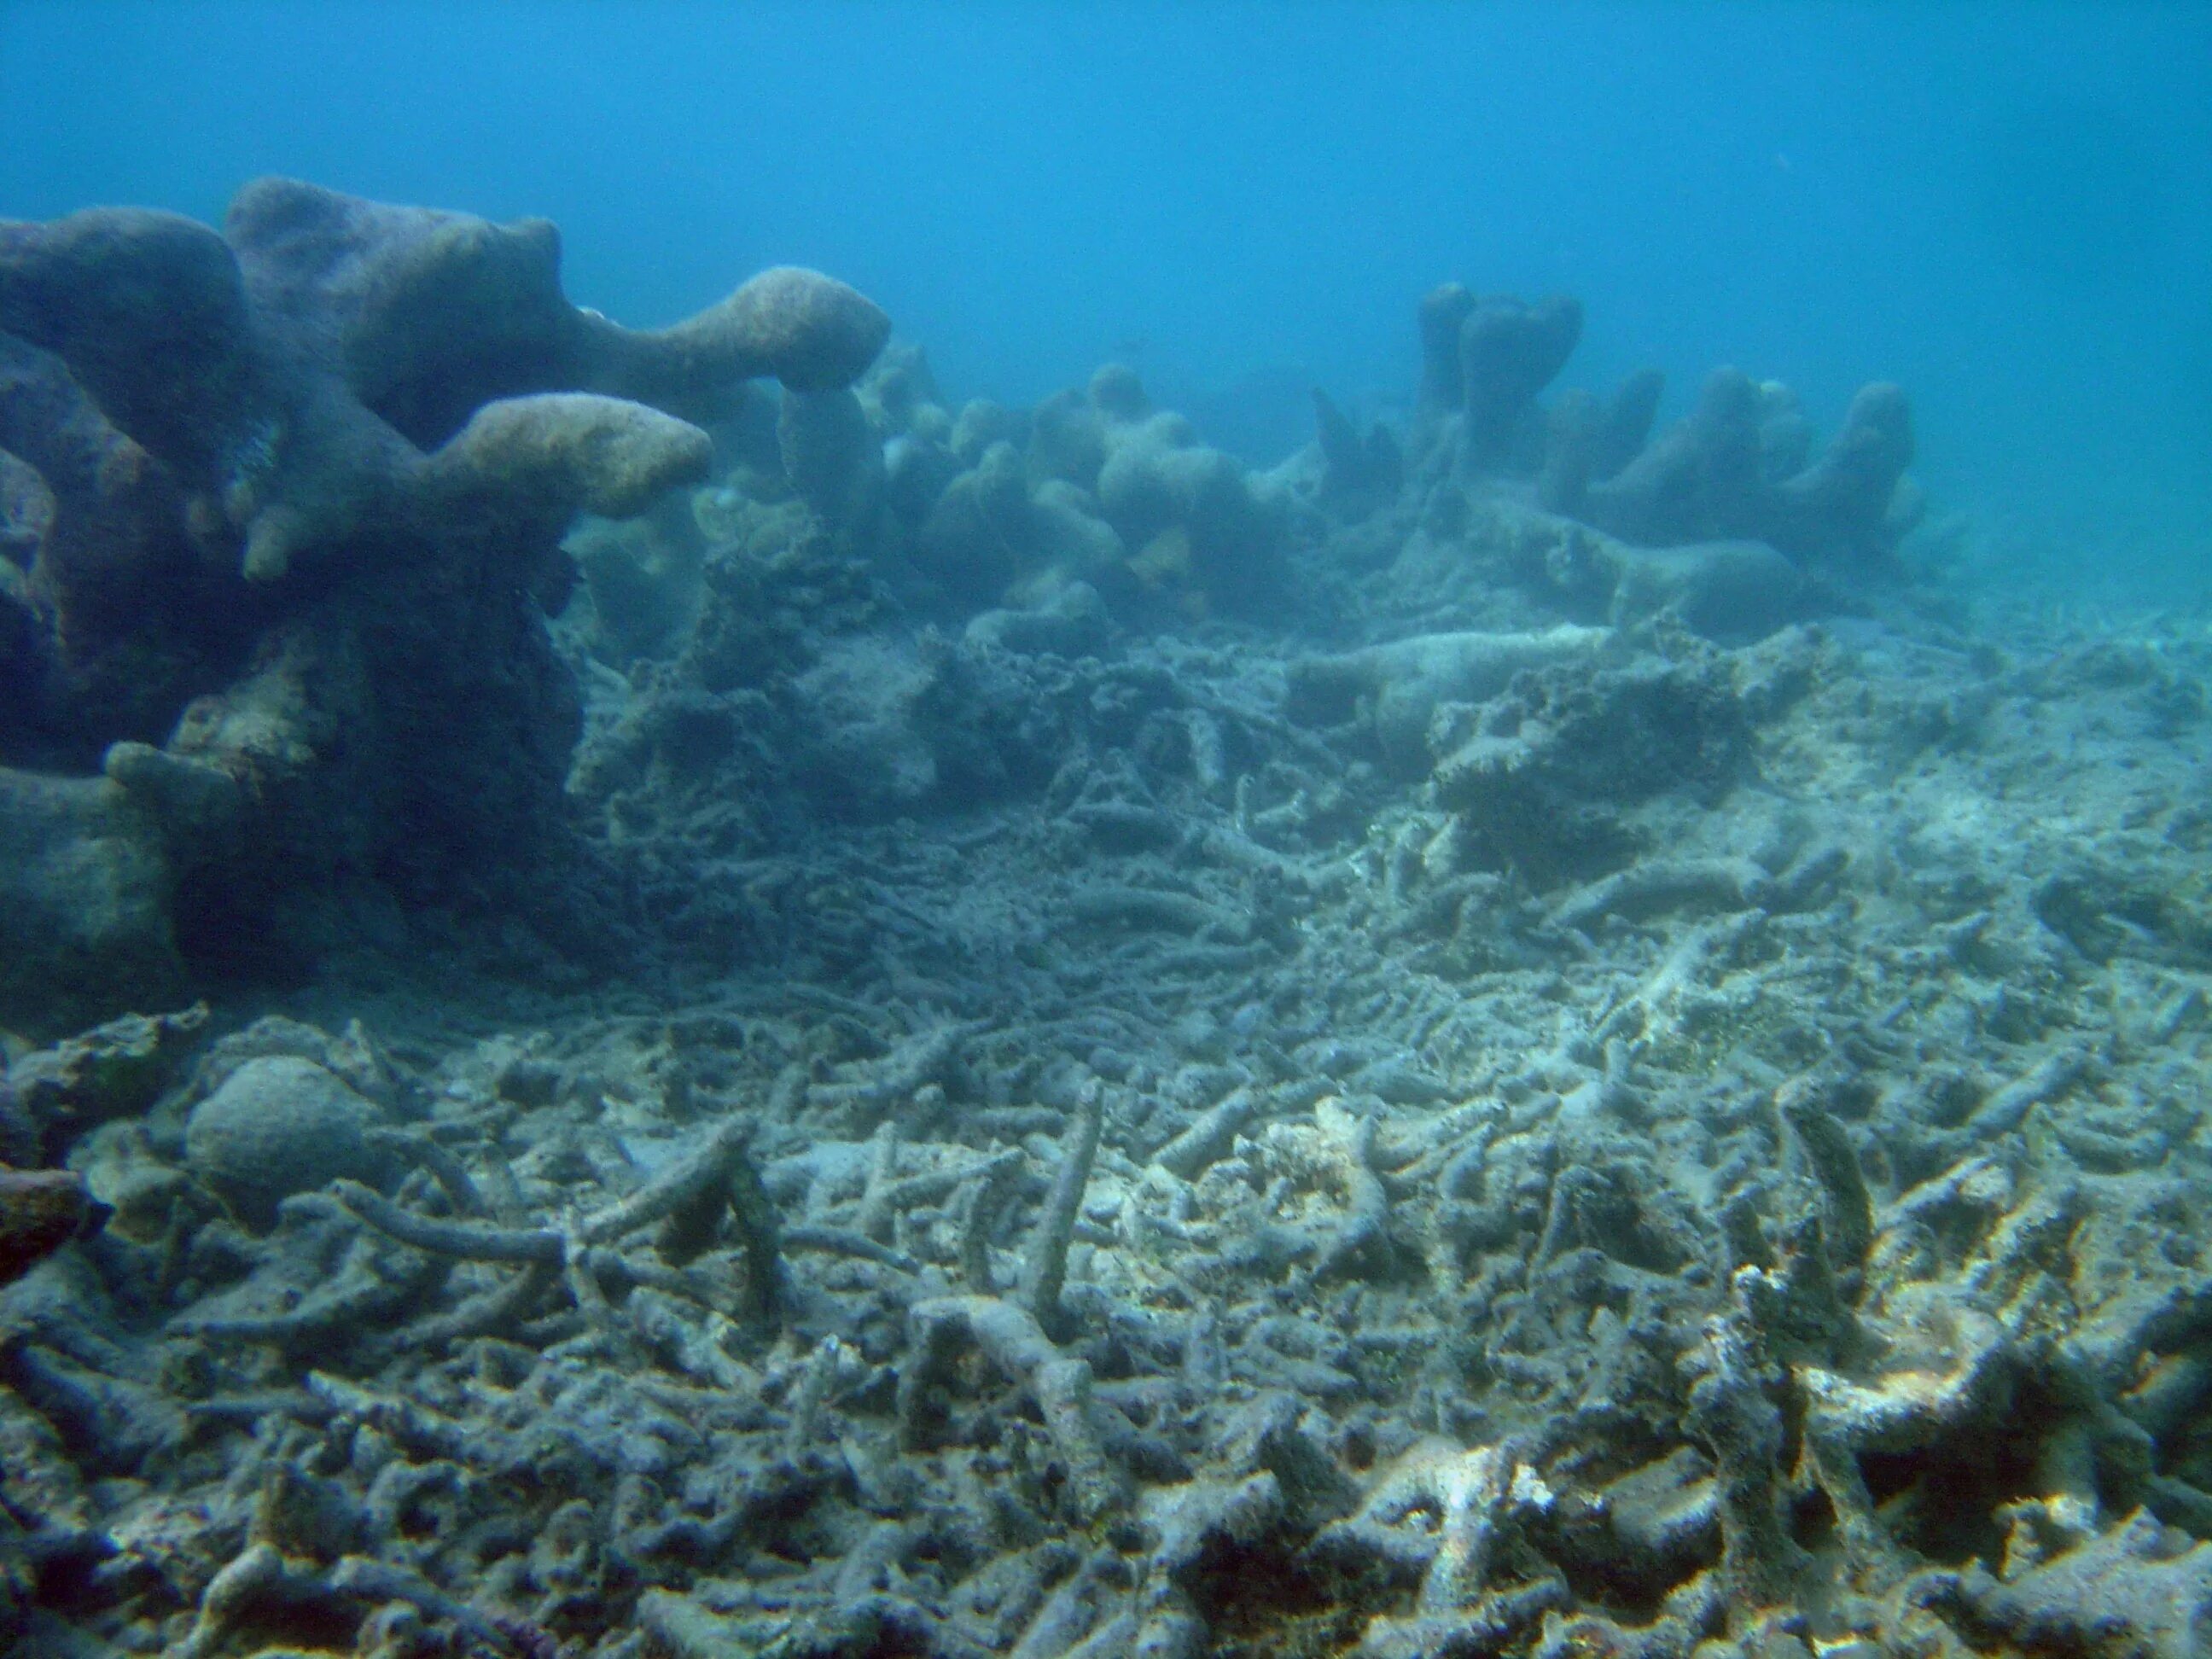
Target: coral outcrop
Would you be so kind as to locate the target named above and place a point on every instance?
(1740, 469)
(284, 503)
(1106, 490)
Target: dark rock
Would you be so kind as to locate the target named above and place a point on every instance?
(40, 1211)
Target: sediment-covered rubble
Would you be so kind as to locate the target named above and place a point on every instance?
(1399, 1074)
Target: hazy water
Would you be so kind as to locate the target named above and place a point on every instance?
(2008, 208)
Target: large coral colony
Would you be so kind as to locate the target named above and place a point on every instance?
(837, 1025)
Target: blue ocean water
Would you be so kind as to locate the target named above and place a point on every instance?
(2007, 209)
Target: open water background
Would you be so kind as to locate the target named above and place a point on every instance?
(2008, 208)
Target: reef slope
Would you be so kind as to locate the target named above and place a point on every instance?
(1392, 1057)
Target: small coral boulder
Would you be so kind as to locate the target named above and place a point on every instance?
(278, 1126)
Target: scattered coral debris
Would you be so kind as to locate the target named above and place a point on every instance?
(963, 1030)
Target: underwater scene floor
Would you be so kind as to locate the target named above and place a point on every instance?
(1006, 1036)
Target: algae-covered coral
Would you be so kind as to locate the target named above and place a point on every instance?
(1501, 1040)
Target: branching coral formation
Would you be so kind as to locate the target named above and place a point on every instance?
(1371, 1059)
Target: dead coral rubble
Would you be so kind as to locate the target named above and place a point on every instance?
(1582, 1118)
(1501, 1261)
